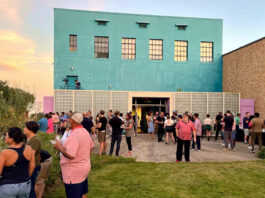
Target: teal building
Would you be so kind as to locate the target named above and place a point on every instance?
(124, 61)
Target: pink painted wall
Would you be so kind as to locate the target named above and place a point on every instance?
(48, 102)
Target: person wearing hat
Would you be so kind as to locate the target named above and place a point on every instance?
(75, 159)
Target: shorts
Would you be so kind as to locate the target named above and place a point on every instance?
(45, 171)
(208, 127)
(76, 190)
(101, 136)
(246, 131)
(169, 129)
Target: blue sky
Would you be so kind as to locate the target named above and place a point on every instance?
(26, 30)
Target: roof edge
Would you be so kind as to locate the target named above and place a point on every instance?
(79, 10)
(244, 46)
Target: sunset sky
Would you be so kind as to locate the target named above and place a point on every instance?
(26, 30)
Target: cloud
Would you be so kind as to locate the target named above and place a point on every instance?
(98, 5)
(10, 9)
(16, 51)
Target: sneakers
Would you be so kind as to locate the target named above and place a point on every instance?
(233, 150)
(245, 142)
(225, 149)
(253, 151)
(249, 147)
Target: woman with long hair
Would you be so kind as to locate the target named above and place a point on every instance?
(17, 164)
(150, 122)
(129, 131)
(169, 130)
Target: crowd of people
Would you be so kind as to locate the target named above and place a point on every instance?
(25, 166)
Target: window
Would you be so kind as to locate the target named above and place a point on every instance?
(181, 27)
(155, 49)
(206, 51)
(128, 48)
(102, 22)
(142, 24)
(101, 47)
(72, 43)
(181, 51)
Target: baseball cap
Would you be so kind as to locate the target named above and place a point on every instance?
(77, 117)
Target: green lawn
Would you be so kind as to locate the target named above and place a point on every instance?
(112, 177)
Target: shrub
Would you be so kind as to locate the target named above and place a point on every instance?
(261, 154)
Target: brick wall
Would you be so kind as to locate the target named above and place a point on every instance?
(244, 72)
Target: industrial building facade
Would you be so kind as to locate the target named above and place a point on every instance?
(244, 71)
(138, 63)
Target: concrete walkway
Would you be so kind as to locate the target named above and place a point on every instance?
(146, 150)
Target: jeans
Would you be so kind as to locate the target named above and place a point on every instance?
(218, 129)
(115, 137)
(33, 181)
(160, 132)
(20, 190)
(129, 143)
(180, 149)
(198, 142)
(229, 134)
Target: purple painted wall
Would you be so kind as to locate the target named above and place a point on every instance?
(48, 102)
(246, 105)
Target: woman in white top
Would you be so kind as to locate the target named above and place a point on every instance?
(208, 126)
(169, 129)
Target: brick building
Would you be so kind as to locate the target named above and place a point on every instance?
(244, 73)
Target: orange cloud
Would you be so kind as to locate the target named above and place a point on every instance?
(16, 51)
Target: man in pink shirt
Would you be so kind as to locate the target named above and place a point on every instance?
(184, 130)
(75, 160)
(198, 129)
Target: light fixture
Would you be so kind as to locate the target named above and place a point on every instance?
(72, 68)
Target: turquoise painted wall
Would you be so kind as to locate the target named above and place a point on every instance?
(140, 74)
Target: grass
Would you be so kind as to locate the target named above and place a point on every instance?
(121, 177)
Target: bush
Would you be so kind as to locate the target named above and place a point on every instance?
(55, 169)
(261, 154)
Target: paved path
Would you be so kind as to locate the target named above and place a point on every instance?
(146, 150)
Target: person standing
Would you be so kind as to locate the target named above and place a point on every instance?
(88, 123)
(228, 126)
(115, 123)
(238, 123)
(101, 125)
(246, 126)
(75, 158)
(56, 122)
(218, 123)
(198, 129)
(43, 123)
(257, 124)
(150, 122)
(169, 130)
(30, 130)
(160, 126)
(17, 164)
(155, 124)
(184, 130)
(129, 131)
(50, 125)
(208, 126)
(46, 163)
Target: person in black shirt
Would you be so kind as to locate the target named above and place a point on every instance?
(87, 123)
(115, 123)
(228, 125)
(160, 126)
(218, 124)
(101, 125)
(77, 84)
